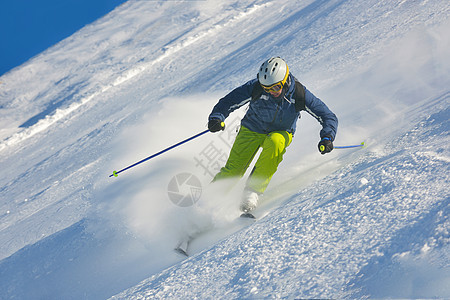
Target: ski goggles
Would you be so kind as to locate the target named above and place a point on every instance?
(274, 88)
(278, 86)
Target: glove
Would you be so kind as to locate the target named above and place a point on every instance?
(325, 145)
(215, 125)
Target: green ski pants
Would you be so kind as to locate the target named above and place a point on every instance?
(244, 150)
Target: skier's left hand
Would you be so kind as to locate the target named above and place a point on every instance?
(215, 125)
(325, 145)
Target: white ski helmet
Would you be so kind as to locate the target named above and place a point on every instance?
(272, 71)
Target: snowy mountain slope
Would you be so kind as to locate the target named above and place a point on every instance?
(120, 89)
(383, 214)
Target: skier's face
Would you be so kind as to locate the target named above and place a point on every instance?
(276, 94)
(274, 90)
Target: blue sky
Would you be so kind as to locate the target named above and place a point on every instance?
(29, 27)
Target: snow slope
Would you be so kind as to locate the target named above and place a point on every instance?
(354, 223)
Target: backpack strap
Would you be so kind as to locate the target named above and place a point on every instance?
(299, 95)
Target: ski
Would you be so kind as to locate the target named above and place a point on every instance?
(248, 216)
(182, 248)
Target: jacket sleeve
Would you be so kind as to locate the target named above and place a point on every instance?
(319, 110)
(233, 100)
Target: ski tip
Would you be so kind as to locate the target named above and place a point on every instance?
(248, 215)
(181, 251)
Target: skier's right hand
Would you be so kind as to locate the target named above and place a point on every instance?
(215, 125)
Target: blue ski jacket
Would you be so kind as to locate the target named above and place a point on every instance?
(266, 113)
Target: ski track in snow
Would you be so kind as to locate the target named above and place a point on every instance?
(342, 225)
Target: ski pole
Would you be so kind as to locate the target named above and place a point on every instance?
(352, 146)
(322, 147)
(116, 173)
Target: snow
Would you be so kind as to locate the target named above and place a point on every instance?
(355, 223)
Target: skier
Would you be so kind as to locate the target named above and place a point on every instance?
(276, 98)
